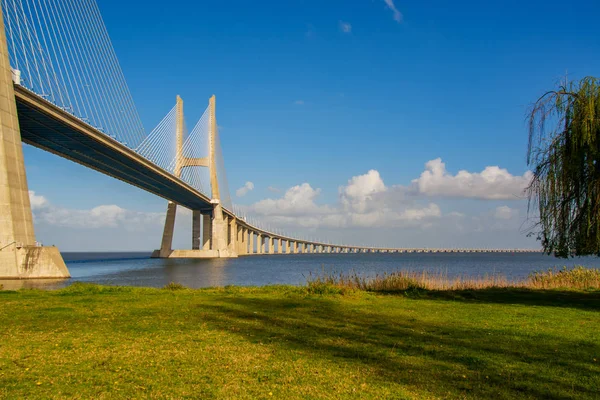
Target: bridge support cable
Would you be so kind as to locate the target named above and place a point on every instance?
(60, 50)
(221, 174)
(159, 146)
(194, 156)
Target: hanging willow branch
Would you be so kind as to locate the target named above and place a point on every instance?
(566, 161)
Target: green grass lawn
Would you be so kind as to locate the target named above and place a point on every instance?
(284, 343)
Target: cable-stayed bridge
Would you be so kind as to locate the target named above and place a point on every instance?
(62, 90)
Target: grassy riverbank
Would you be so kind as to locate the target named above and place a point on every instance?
(89, 341)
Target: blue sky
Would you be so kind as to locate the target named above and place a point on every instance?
(318, 92)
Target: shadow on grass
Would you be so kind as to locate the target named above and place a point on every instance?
(446, 357)
(528, 297)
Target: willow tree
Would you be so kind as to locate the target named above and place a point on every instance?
(564, 152)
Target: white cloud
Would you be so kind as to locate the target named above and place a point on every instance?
(505, 212)
(104, 216)
(392, 6)
(248, 187)
(493, 183)
(299, 102)
(298, 200)
(364, 202)
(367, 202)
(273, 189)
(360, 190)
(398, 215)
(36, 201)
(345, 27)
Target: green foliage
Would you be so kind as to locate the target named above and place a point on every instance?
(566, 165)
(79, 288)
(174, 286)
(323, 288)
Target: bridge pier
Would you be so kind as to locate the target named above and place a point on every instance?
(20, 256)
(206, 231)
(218, 230)
(260, 244)
(196, 216)
(250, 242)
(271, 245)
(242, 244)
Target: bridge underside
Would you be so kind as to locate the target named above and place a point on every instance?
(51, 133)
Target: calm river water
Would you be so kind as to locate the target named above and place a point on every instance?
(137, 269)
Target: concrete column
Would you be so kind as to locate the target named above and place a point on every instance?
(262, 244)
(227, 221)
(280, 246)
(287, 247)
(294, 247)
(244, 241)
(271, 246)
(240, 240)
(167, 239)
(232, 235)
(219, 230)
(251, 242)
(206, 232)
(259, 242)
(20, 258)
(196, 216)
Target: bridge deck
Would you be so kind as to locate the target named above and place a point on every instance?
(50, 128)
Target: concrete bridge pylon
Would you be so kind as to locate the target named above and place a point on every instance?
(20, 255)
(218, 229)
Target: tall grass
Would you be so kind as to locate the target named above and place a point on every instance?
(575, 278)
(578, 278)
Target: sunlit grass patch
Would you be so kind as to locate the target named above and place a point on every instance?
(318, 341)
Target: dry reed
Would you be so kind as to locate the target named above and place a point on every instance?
(578, 278)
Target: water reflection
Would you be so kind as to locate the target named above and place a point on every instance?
(188, 272)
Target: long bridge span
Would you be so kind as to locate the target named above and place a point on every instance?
(62, 90)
